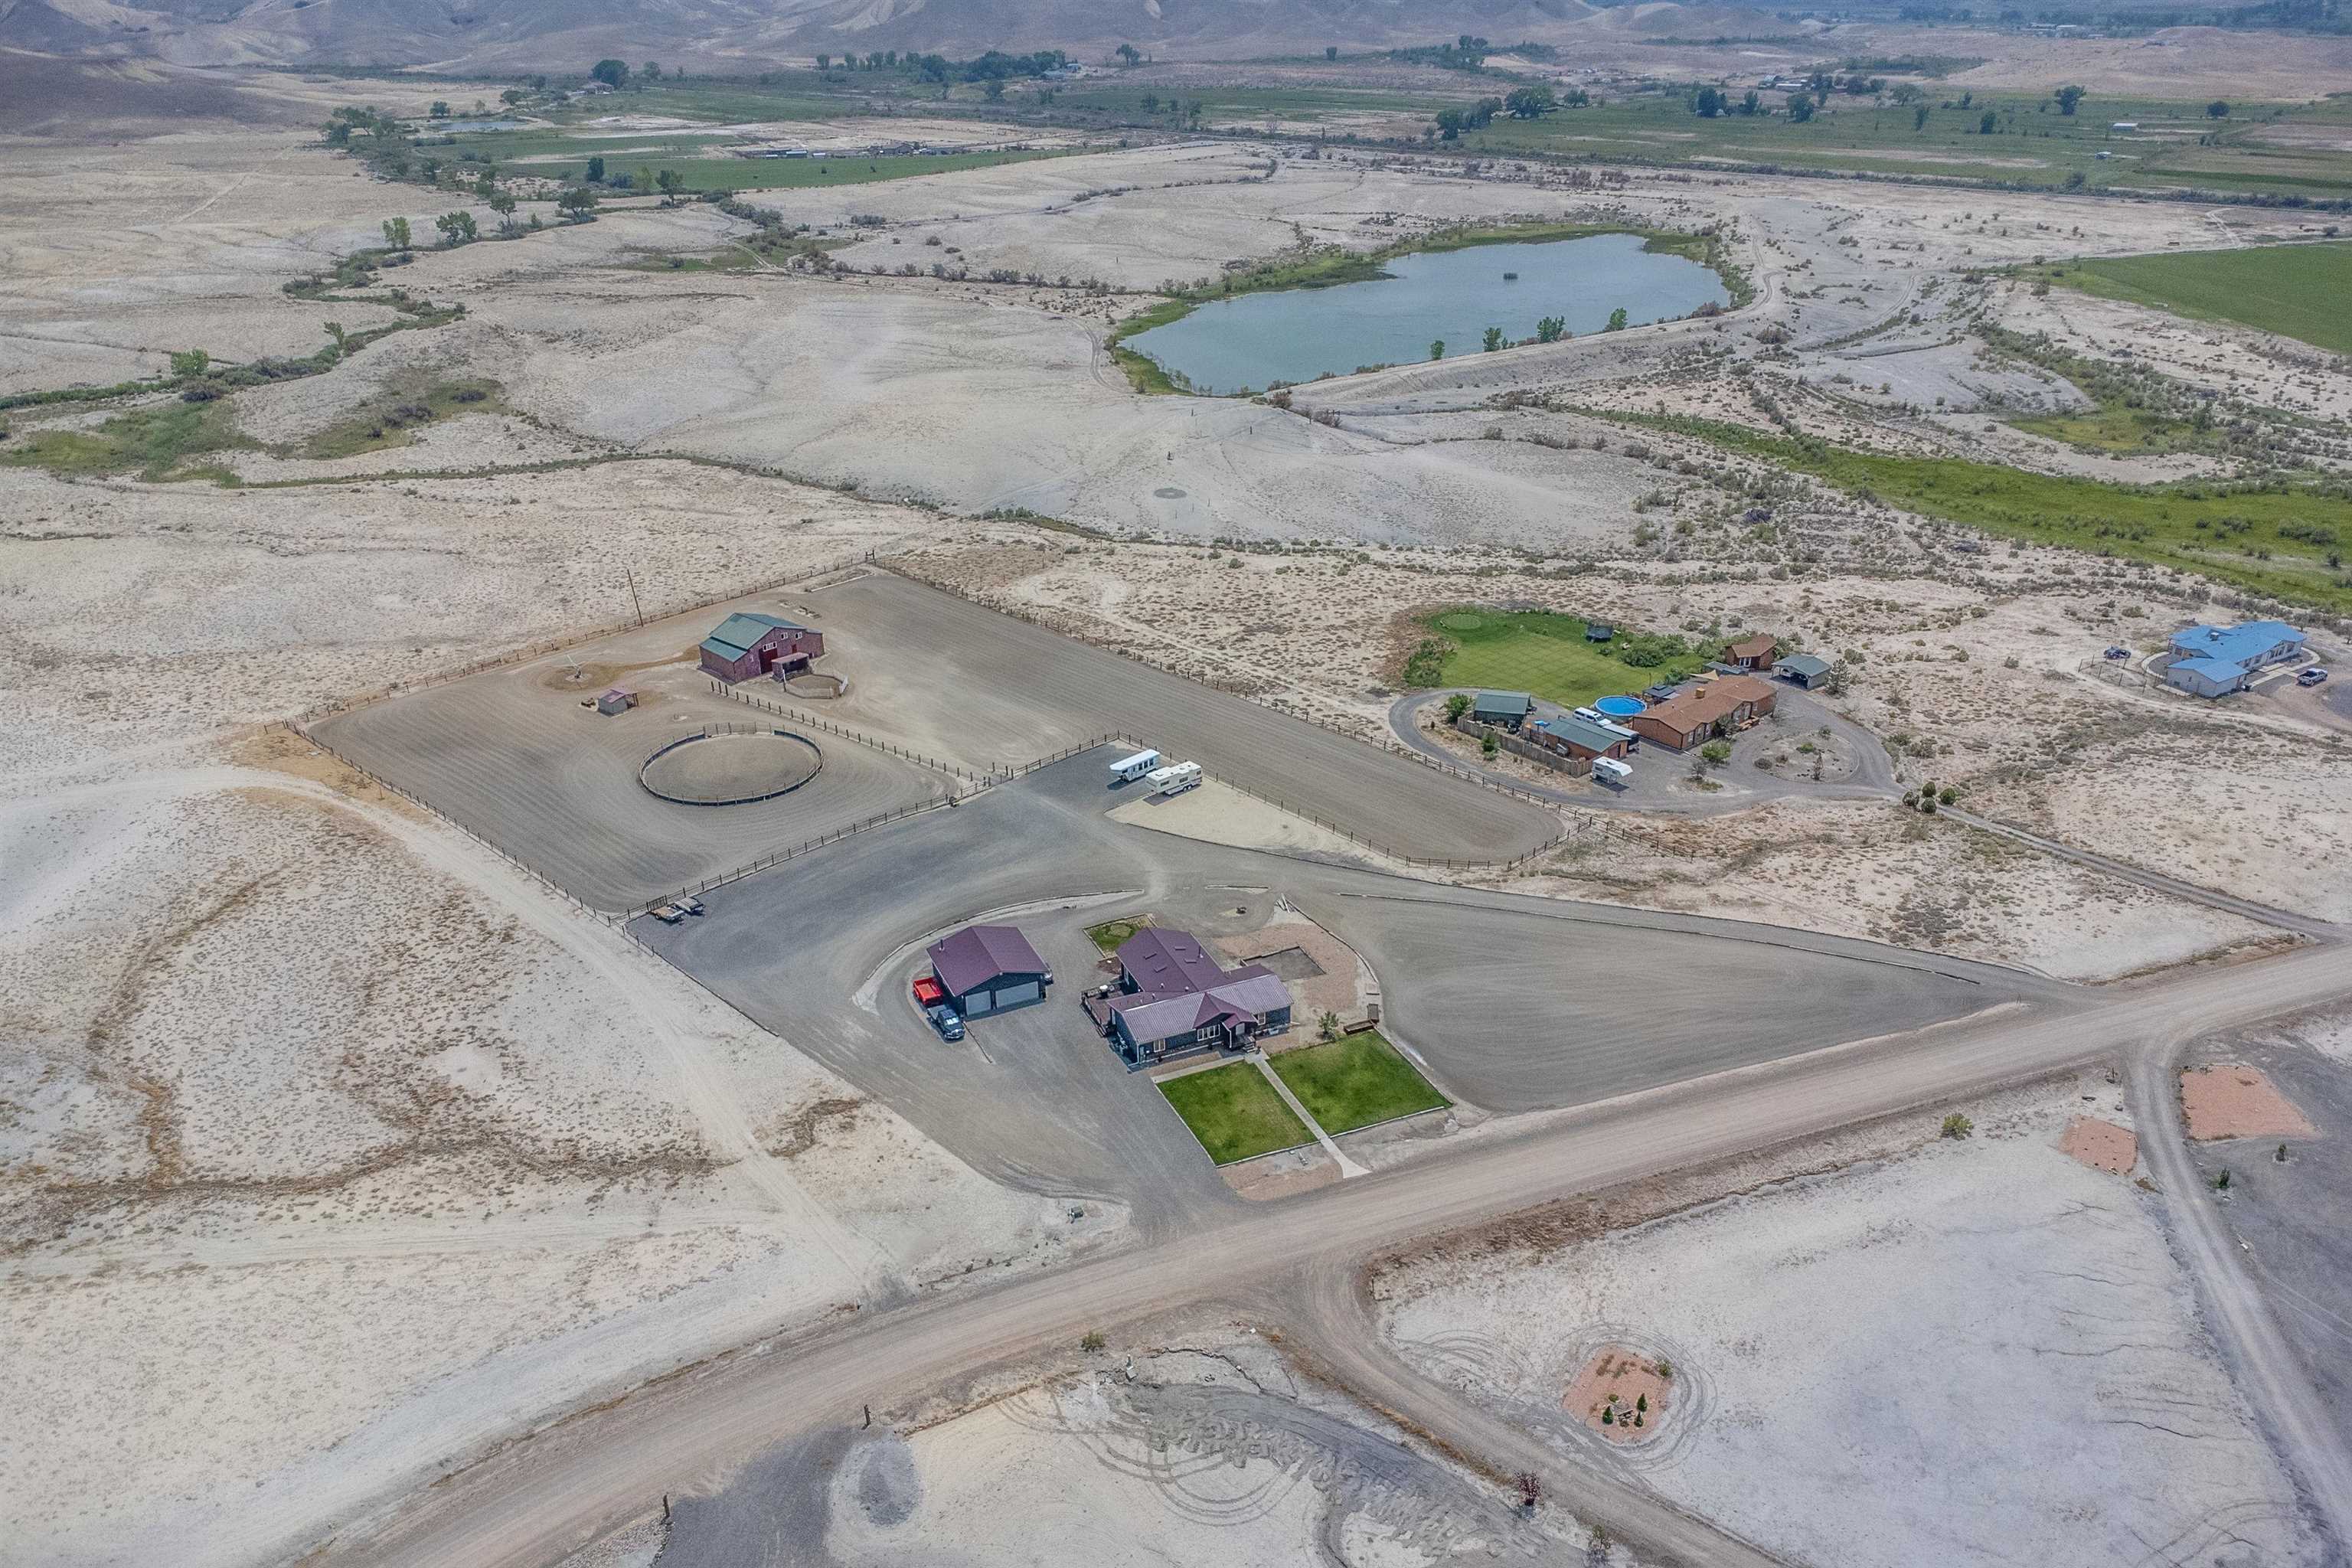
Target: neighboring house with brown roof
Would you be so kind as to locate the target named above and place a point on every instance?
(1751, 652)
(1699, 714)
(1174, 1000)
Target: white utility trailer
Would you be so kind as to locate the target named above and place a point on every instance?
(1127, 770)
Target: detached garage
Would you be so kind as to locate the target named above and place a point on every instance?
(987, 969)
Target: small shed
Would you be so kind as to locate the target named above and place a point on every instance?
(1504, 709)
(1751, 652)
(618, 699)
(1805, 669)
(987, 969)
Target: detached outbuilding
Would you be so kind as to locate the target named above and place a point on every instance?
(747, 644)
(1503, 709)
(989, 969)
(1751, 652)
(1805, 669)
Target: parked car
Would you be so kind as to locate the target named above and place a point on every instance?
(692, 906)
(2310, 677)
(943, 1018)
(2118, 652)
(669, 914)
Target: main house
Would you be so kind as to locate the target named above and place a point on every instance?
(1719, 707)
(746, 644)
(1174, 1000)
(2214, 661)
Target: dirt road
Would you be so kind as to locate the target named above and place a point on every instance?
(2273, 1382)
(538, 1498)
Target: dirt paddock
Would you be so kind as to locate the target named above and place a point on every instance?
(556, 784)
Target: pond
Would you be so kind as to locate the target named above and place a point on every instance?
(1252, 341)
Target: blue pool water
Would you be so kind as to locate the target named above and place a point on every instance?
(1619, 707)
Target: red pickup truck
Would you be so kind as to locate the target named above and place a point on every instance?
(928, 991)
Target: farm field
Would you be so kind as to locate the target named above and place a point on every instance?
(2240, 537)
(1354, 1082)
(1541, 652)
(2298, 290)
(557, 154)
(1235, 1113)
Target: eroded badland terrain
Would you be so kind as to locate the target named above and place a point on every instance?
(389, 1172)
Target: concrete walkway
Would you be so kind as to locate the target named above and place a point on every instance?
(1347, 1167)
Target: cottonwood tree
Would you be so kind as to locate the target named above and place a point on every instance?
(1494, 338)
(1552, 329)
(456, 229)
(2068, 98)
(1530, 102)
(577, 204)
(395, 233)
(1617, 319)
(1800, 107)
(611, 73)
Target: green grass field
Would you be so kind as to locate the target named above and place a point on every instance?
(2285, 541)
(1354, 1082)
(1538, 651)
(1235, 1113)
(1109, 935)
(2300, 290)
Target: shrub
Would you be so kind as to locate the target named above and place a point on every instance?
(1958, 1126)
(1094, 1340)
(1717, 752)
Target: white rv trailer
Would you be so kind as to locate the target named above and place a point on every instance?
(1127, 770)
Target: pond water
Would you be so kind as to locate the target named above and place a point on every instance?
(1296, 335)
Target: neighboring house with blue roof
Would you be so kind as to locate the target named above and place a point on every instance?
(747, 644)
(2214, 661)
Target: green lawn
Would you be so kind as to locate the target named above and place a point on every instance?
(1109, 935)
(1235, 1113)
(1538, 651)
(1355, 1081)
(2277, 539)
(2297, 290)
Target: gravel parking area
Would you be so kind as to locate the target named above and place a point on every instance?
(955, 680)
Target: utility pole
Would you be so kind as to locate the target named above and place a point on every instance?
(633, 596)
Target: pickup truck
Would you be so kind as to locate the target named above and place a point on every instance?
(943, 1018)
(2310, 677)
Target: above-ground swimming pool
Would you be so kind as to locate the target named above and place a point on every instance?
(1619, 707)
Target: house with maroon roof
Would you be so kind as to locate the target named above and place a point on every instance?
(1174, 1000)
(987, 969)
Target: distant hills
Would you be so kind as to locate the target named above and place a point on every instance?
(737, 35)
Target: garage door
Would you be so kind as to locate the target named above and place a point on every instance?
(1011, 994)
